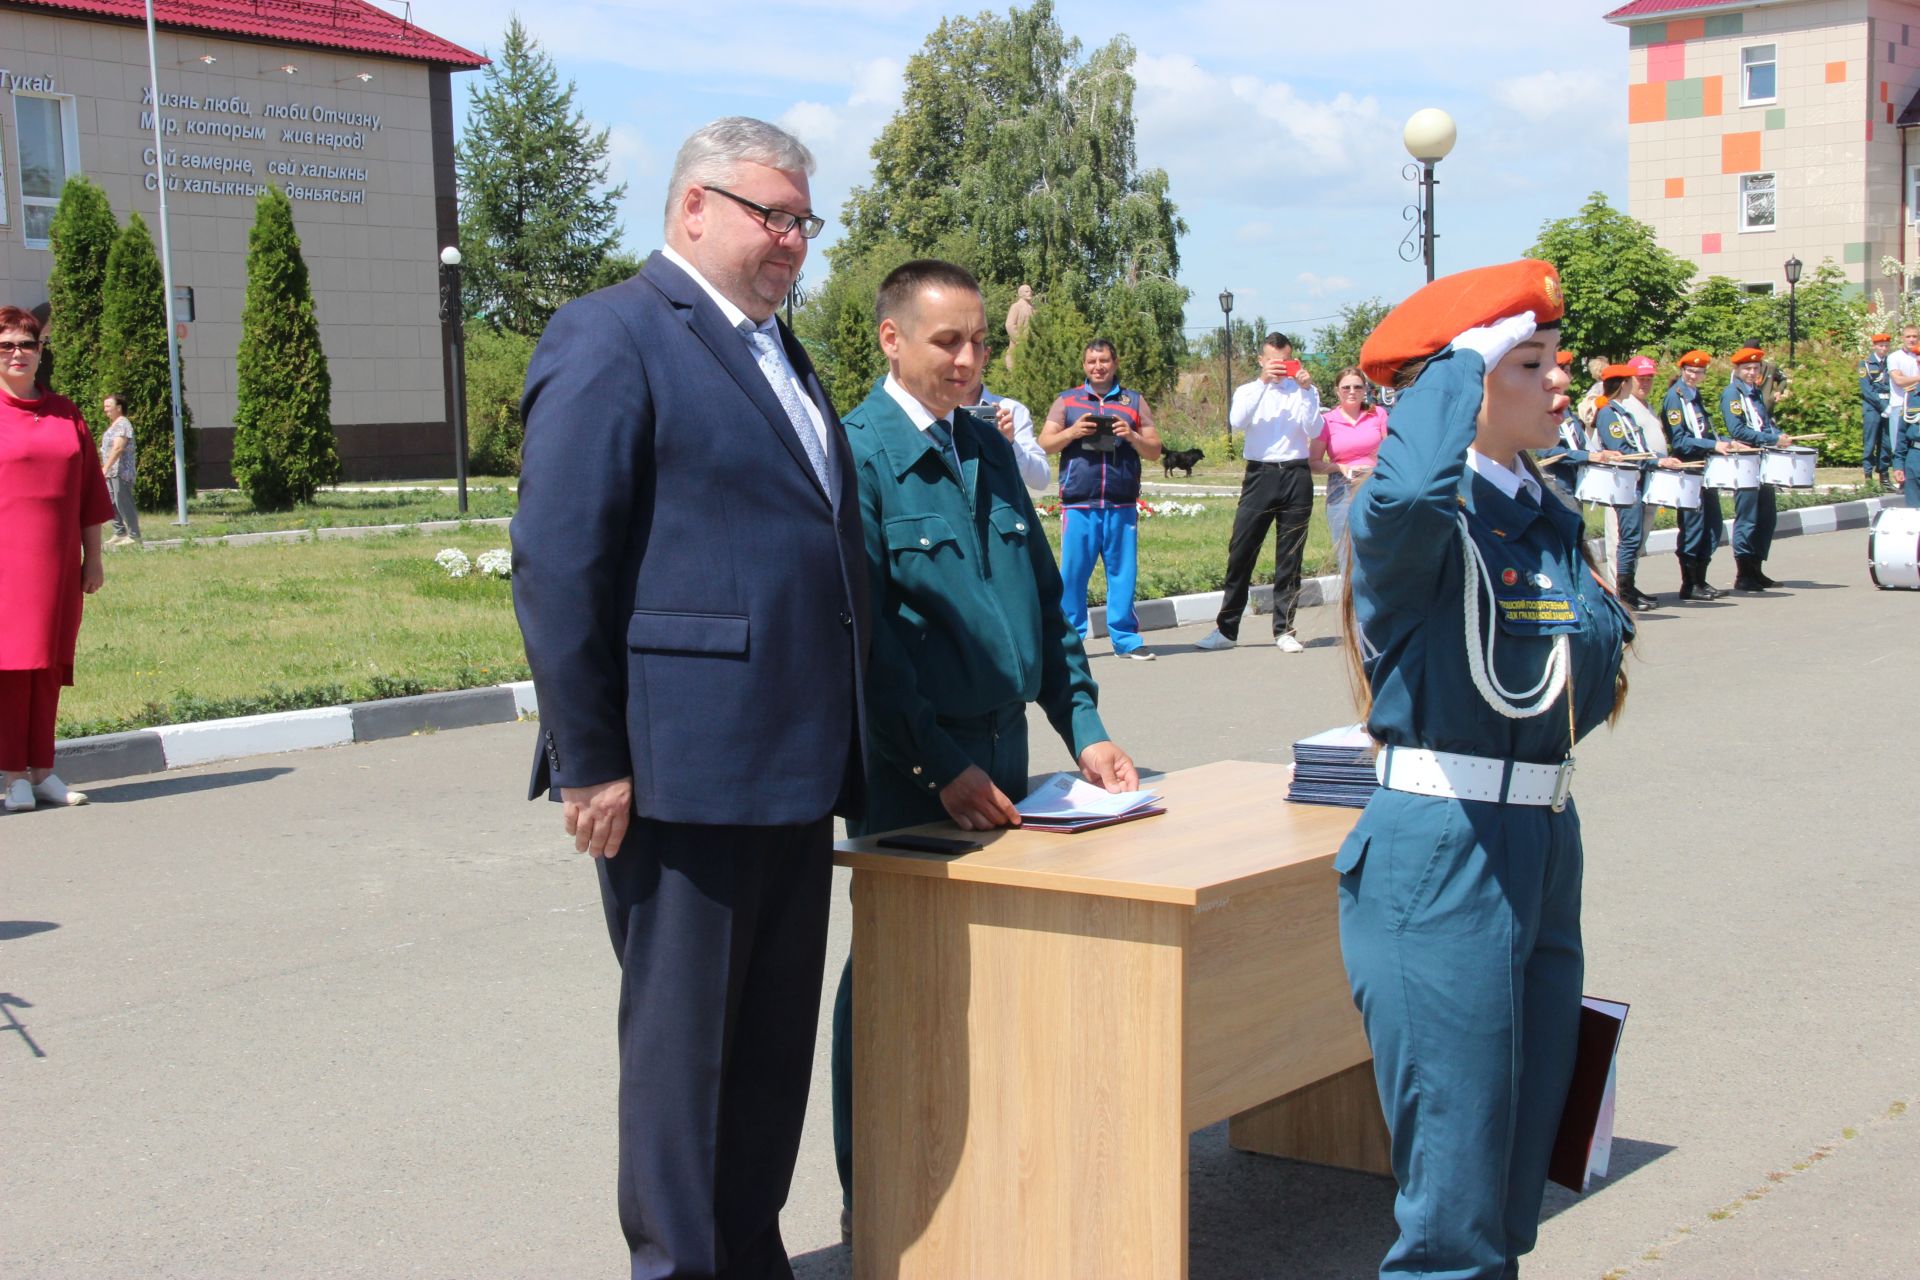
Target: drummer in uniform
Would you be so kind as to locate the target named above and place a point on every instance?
(1693, 437)
(1876, 422)
(1561, 464)
(1460, 886)
(1748, 421)
(1624, 426)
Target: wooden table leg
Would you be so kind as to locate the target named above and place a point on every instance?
(1334, 1121)
(1017, 1083)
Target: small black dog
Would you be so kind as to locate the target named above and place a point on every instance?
(1184, 459)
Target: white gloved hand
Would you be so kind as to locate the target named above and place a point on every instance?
(1492, 342)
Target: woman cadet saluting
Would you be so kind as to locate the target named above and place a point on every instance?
(1488, 646)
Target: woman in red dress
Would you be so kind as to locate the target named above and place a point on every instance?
(53, 501)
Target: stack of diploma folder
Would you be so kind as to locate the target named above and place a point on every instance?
(1334, 767)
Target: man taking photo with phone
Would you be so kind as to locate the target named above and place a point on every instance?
(1280, 413)
(968, 628)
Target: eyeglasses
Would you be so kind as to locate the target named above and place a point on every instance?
(778, 221)
(30, 345)
(1356, 390)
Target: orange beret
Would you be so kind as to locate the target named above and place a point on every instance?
(1747, 355)
(1440, 312)
(1616, 371)
(1880, 337)
(1563, 357)
(1695, 359)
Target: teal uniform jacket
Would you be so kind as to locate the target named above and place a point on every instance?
(966, 607)
(1754, 515)
(1460, 919)
(1691, 437)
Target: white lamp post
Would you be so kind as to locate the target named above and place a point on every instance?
(1429, 136)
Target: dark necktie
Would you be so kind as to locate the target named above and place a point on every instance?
(942, 438)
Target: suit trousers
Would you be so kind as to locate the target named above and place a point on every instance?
(998, 744)
(1754, 518)
(721, 933)
(1460, 928)
(1270, 493)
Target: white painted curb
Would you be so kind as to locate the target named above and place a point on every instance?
(208, 740)
(524, 702)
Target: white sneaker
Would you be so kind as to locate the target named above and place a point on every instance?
(50, 790)
(1287, 644)
(1215, 639)
(19, 796)
(1138, 655)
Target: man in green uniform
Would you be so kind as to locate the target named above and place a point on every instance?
(968, 627)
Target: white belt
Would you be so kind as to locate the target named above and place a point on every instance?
(1447, 773)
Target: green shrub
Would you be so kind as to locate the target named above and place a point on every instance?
(496, 376)
(133, 363)
(1825, 400)
(82, 234)
(283, 444)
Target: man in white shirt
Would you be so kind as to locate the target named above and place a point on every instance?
(1903, 371)
(1280, 414)
(1015, 423)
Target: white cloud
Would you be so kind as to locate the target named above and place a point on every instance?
(1319, 286)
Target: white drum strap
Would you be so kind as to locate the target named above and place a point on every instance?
(1480, 649)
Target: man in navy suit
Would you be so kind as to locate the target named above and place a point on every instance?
(691, 584)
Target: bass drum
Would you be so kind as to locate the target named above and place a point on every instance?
(1893, 549)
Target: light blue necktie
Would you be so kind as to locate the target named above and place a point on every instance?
(773, 364)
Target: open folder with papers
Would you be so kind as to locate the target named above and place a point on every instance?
(1067, 802)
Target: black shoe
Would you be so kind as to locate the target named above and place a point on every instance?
(1747, 575)
(1760, 577)
(1702, 589)
(1886, 481)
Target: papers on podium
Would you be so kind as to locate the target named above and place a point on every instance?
(1334, 767)
(1584, 1144)
(1068, 802)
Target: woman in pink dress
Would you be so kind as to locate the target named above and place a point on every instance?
(53, 501)
(1346, 448)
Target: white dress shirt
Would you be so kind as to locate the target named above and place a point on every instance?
(738, 318)
(1502, 477)
(1906, 364)
(916, 412)
(1026, 450)
(1280, 419)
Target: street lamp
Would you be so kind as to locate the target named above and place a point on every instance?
(1428, 137)
(1793, 290)
(1226, 309)
(450, 313)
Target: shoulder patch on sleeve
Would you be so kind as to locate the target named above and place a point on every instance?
(1739, 409)
(1673, 417)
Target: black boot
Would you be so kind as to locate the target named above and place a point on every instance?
(1702, 589)
(1747, 574)
(1759, 574)
(1687, 581)
(1630, 591)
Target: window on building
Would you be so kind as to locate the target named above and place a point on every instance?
(1758, 75)
(1756, 202)
(1913, 193)
(49, 154)
(1764, 288)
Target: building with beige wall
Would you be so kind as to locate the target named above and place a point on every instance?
(344, 105)
(1772, 129)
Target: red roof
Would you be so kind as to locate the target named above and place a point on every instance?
(1656, 8)
(329, 24)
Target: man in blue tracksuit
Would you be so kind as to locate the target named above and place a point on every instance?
(1743, 410)
(1876, 420)
(1101, 431)
(1692, 437)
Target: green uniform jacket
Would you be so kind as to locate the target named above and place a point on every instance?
(966, 597)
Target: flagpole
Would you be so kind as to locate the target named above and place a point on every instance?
(166, 274)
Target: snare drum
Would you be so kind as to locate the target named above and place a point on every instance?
(1893, 549)
(1733, 471)
(1611, 484)
(1789, 468)
(1677, 489)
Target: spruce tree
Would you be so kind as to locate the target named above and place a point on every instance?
(133, 362)
(538, 218)
(82, 236)
(283, 444)
(1049, 359)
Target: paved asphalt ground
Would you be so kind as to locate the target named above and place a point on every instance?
(350, 1012)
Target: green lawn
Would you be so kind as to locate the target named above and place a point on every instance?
(222, 511)
(207, 631)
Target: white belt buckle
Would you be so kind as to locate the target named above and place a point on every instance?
(1562, 785)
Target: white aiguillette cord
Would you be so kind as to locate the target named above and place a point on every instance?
(1480, 651)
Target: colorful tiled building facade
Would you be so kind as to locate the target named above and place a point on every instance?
(1771, 129)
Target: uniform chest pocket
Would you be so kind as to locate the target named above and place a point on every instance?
(1011, 525)
(913, 536)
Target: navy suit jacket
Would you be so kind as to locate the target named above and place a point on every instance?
(694, 605)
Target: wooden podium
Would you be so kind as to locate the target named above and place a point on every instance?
(1039, 1025)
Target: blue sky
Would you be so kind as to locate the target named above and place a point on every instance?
(1278, 124)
